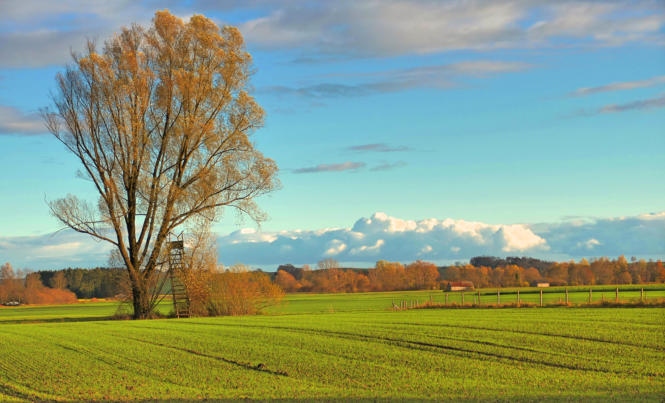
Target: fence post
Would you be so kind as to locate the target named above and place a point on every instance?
(430, 298)
(446, 298)
(566, 295)
(590, 295)
(642, 295)
(616, 296)
(498, 296)
(541, 297)
(462, 297)
(478, 297)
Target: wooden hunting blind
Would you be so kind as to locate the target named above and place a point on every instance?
(176, 270)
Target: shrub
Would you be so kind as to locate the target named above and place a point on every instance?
(239, 291)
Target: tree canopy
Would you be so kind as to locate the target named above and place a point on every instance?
(160, 119)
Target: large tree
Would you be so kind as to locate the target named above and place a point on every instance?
(160, 119)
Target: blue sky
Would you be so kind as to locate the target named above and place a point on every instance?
(499, 113)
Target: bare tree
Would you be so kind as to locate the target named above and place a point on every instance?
(58, 281)
(327, 264)
(160, 119)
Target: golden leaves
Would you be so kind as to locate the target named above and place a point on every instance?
(161, 120)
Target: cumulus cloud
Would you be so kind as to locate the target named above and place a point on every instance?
(344, 166)
(621, 86)
(641, 235)
(382, 237)
(13, 121)
(385, 237)
(589, 244)
(335, 248)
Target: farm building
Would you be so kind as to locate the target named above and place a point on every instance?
(542, 285)
(459, 286)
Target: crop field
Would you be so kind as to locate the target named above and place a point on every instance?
(335, 303)
(346, 346)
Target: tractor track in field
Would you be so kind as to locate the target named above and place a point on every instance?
(425, 346)
(10, 391)
(512, 347)
(241, 338)
(494, 344)
(245, 365)
(583, 338)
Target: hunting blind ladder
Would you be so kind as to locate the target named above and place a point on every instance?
(178, 289)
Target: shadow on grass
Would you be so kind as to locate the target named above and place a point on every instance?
(654, 303)
(58, 320)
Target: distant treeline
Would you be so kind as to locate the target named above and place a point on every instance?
(99, 282)
(597, 271)
(494, 262)
(20, 287)
(483, 272)
(386, 276)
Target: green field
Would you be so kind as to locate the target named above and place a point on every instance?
(335, 303)
(336, 346)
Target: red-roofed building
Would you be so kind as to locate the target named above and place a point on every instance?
(459, 286)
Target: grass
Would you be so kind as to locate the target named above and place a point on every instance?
(301, 303)
(341, 346)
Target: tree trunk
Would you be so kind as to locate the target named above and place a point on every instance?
(141, 300)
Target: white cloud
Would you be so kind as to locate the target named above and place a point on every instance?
(397, 27)
(335, 248)
(426, 249)
(41, 32)
(621, 86)
(52, 251)
(590, 244)
(382, 237)
(642, 104)
(367, 250)
(518, 238)
(344, 166)
(13, 121)
(385, 237)
(440, 77)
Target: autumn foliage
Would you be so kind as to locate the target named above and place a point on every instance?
(214, 291)
(419, 275)
(387, 276)
(236, 291)
(239, 291)
(16, 286)
(161, 119)
(597, 272)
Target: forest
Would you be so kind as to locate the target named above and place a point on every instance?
(481, 271)
(67, 285)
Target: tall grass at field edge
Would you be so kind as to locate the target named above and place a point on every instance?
(653, 303)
